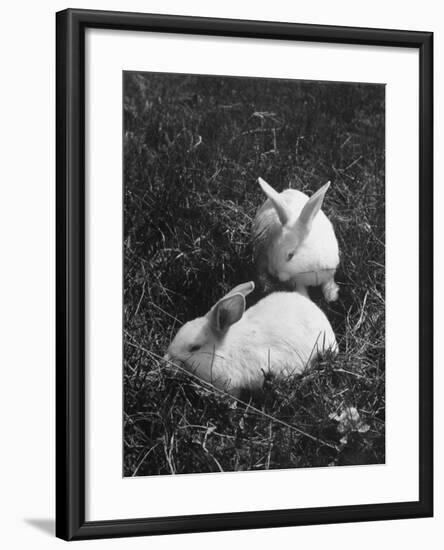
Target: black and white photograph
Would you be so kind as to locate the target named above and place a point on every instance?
(221, 237)
(254, 274)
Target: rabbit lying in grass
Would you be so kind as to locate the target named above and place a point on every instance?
(233, 349)
(294, 241)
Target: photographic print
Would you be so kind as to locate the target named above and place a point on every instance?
(254, 274)
(231, 264)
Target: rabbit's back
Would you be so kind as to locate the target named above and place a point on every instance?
(281, 334)
(290, 315)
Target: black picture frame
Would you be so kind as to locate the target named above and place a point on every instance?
(70, 275)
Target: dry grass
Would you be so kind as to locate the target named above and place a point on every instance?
(193, 149)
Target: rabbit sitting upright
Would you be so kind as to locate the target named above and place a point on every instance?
(294, 241)
(233, 349)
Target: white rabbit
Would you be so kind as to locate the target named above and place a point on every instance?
(294, 241)
(233, 349)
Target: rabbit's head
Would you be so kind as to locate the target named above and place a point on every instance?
(196, 344)
(295, 228)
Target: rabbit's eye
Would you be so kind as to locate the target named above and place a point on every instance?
(290, 256)
(195, 347)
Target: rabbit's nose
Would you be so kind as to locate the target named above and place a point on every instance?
(169, 361)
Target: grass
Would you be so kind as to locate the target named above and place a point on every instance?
(193, 149)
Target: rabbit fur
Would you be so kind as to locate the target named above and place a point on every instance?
(294, 241)
(233, 349)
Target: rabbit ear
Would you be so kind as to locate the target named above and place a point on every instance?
(245, 289)
(276, 200)
(226, 312)
(312, 206)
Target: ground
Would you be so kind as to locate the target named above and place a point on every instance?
(193, 149)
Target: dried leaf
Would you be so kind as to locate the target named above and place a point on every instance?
(349, 421)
